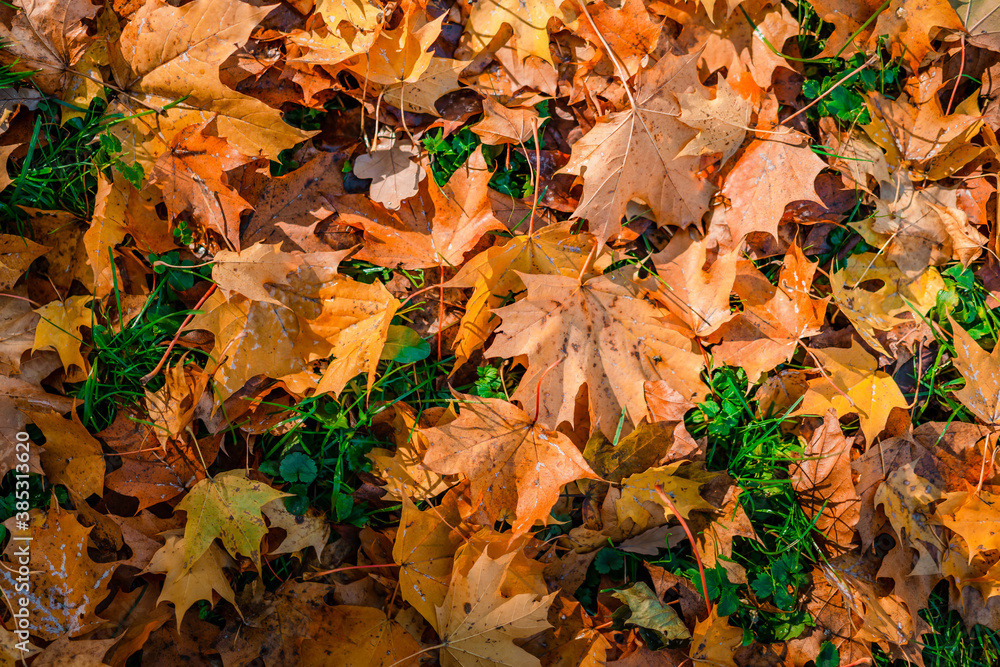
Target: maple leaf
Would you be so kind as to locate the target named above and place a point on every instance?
(528, 19)
(186, 585)
(289, 208)
(641, 449)
(420, 96)
(714, 641)
(824, 484)
(401, 54)
(981, 19)
(403, 469)
(193, 179)
(696, 298)
(65, 582)
(628, 31)
(317, 316)
(910, 24)
(171, 408)
(434, 228)
(71, 456)
(309, 529)
(358, 13)
(107, 230)
(906, 498)
(606, 337)
(226, 506)
(870, 312)
(981, 393)
(495, 273)
(920, 228)
(18, 322)
(736, 43)
(478, 627)
(972, 515)
(48, 36)
(394, 175)
(249, 271)
(851, 383)
(848, 18)
(649, 612)
(16, 255)
(721, 122)
(774, 319)
(757, 196)
(424, 550)
(59, 328)
(147, 473)
(634, 155)
(203, 34)
(516, 467)
(503, 125)
(359, 636)
(640, 499)
(914, 134)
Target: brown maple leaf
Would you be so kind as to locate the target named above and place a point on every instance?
(65, 582)
(434, 228)
(193, 179)
(771, 174)
(516, 467)
(603, 336)
(495, 273)
(203, 34)
(634, 155)
(823, 482)
(774, 319)
(478, 626)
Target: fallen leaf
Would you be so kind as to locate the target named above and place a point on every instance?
(71, 456)
(649, 612)
(186, 585)
(16, 255)
(65, 582)
(851, 383)
(774, 320)
(203, 34)
(604, 336)
(359, 636)
(495, 273)
(516, 467)
(756, 196)
(228, 507)
(309, 529)
(640, 500)
(824, 483)
(192, 176)
(634, 155)
(721, 122)
(59, 328)
(478, 627)
(395, 176)
(981, 393)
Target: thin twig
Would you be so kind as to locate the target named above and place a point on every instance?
(694, 546)
(187, 320)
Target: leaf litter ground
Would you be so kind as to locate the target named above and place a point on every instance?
(635, 333)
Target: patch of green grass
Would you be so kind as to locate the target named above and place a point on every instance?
(123, 352)
(512, 173)
(60, 169)
(321, 456)
(963, 299)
